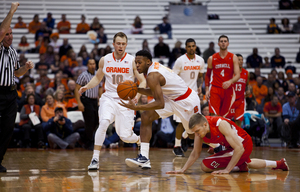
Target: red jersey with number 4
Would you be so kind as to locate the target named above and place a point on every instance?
(217, 137)
(240, 85)
(222, 69)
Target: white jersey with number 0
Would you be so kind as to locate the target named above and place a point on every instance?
(115, 72)
(189, 69)
(174, 86)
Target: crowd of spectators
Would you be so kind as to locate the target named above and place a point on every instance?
(58, 57)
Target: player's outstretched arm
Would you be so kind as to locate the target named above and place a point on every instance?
(96, 79)
(233, 139)
(7, 20)
(195, 154)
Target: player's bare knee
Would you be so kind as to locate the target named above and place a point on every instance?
(146, 118)
(205, 169)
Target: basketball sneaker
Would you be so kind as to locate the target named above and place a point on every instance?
(282, 164)
(243, 167)
(94, 165)
(139, 161)
(184, 144)
(178, 152)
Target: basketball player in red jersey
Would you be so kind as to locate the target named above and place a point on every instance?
(236, 157)
(222, 72)
(238, 108)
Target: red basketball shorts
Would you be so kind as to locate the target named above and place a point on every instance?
(221, 100)
(237, 110)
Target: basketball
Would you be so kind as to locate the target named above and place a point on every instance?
(127, 89)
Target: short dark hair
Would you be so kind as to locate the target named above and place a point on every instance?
(223, 36)
(196, 119)
(29, 95)
(144, 53)
(189, 40)
(239, 55)
(120, 34)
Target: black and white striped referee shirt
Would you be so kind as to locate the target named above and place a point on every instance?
(9, 62)
(83, 79)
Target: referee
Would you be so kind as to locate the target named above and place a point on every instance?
(9, 68)
(88, 104)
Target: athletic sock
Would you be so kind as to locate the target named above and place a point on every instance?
(272, 164)
(96, 154)
(145, 149)
(177, 142)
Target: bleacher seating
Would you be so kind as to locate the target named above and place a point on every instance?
(243, 21)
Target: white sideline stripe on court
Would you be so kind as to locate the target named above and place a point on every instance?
(9, 178)
(34, 171)
(13, 171)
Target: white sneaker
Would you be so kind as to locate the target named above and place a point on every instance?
(94, 165)
(140, 161)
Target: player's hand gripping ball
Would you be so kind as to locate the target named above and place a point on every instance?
(127, 89)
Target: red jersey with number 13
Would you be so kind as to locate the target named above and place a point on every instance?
(222, 69)
(240, 85)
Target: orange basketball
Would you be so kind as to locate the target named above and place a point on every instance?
(127, 89)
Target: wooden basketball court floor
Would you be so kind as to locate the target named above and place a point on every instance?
(66, 170)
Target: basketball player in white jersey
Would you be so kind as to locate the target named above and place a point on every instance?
(171, 96)
(116, 67)
(190, 67)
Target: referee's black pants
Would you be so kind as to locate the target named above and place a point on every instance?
(8, 112)
(91, 119)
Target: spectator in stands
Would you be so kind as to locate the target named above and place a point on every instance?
(254, 60)
(80, 66)
(252, 80)
(289, 74)
(164, 28)
(55, 42)
(59, 97)
(96, 25)
(34, 25)
(41, 66)
(44, 45)
(137, 26)
(270, 80)
(298, 57)
(273, 111)
(82, 27)
(257, 72)
(277, 61)
(165, 136)
(296, 5)
(107, 50)
(145, 46)
(101, 35)
(49, 56)
(60, 131)
(282, 82)
(50, 21)
(47, 111)
(285, 26)
(55, 66)
(20, 24)
(69, 97)
(270, 94)
(29, 89)
(42, 86)
(43, 31)
(285, 4)
(71, 58)
(260, 91)
(296, 26)
(281, 96)
(294, 127)
(267, 63)
(289, 110)
(64, 48)
(85, 58)
(23, 46)
(292, 88)
(274, 73)
(161, 50)
(176, 52)
(28, 122)
(209, 51)
(63, 26)
(82, 49)
(273, 28)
